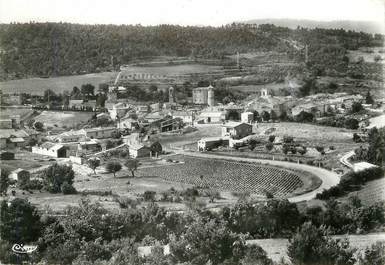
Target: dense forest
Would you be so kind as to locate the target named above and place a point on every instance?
(51, 49)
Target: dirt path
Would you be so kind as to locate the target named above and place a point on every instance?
(327, 177)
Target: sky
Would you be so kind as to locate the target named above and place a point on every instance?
(186, 12)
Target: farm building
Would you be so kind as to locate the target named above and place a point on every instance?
(119, 110)
(155, 107)
(186, 117)
(212, 116)
(89, 147)
(247, 117)
(142, 109)
(139, 150)
(236, 130)
(11, 138)
(209, 143)
(14, 142)
(132, 138)
(128, 123)
(99, 133)
(5, 123)
(68, 137)
(20, 175)
(50, 149)
(166, 124)
(4, 155)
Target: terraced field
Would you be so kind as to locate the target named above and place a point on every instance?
(372, 192)
(228, 176)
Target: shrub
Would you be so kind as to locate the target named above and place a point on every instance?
(269, 146)
(113, 167)
(56, 175)
(33, 184)
(149, 196)
(68, 188)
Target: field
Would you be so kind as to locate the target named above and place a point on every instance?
(309, 132)
(181, 69)
(229, 176)
(372, 192)
(25, 160)
(23, 112)
(367, 53)
(52, 118)
(37, 86)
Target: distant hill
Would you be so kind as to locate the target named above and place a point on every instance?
(365, 26)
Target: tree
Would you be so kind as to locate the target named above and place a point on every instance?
(113, 167)
(271, 138)
(304, 116)
(357, 107)
(19, 221)
(93, 163)
(4, 181)
(374, 255)
(55, 175)
(269, 146)
(87, 90)
(103, 88)
(38, 126)
(256, 116)
(132, 165)
(265, 116)
(149, 195)
(273, 115)
(252, 144)
(302, 150)
(75, 92)
(207, 241)
(255, 255)
(285, 148)
(352, 124)
(310, 245)
(369, 99)
(305, 89)
(67, 188)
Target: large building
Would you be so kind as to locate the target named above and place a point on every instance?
(204, 96)
(236, 130)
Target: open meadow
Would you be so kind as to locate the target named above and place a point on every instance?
(37, 86)
(60, 119)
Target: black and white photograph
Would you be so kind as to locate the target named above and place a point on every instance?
(192, 132)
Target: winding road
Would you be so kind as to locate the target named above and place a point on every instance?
(327, 177)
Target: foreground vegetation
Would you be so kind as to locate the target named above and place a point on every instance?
(90, 234)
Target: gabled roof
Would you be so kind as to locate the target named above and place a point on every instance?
(137, 146)
(6, 133)
(51, 146)
(16, 140)
(16, 171)
(98, 129)
(233, 124)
